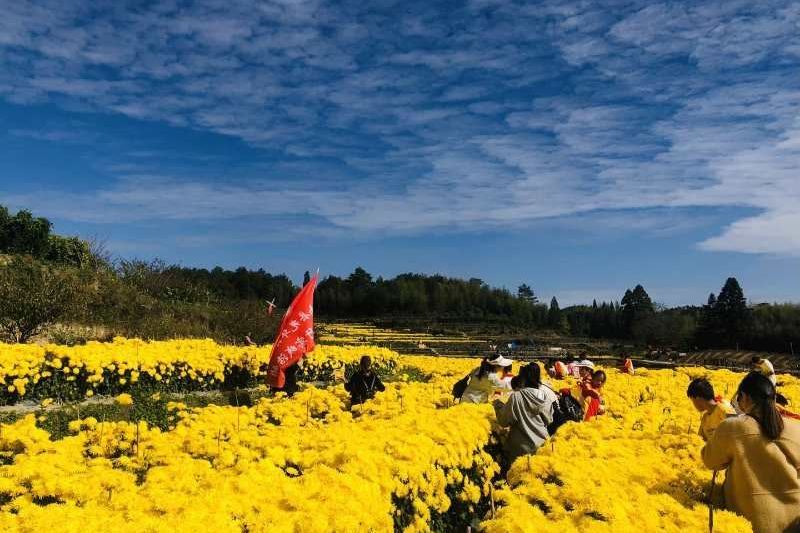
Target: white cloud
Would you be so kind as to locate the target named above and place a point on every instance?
(771, 233)
(495, 115)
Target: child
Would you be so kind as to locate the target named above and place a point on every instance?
(592, 395)
(588, 393)
(714, 408)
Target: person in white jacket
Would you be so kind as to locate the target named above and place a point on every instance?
(528, 412)
(764, 366)
(484, 381)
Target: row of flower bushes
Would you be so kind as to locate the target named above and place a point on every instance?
(402, 462)
(74, 372)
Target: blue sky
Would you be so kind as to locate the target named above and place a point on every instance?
(580, 147)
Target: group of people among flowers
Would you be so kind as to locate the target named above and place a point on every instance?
(363, 384)
(756, 441)
(531, 408)
(752, 437)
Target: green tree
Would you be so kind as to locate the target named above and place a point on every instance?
(732, 313)
(24, 234)
(524, 292)
(776, 328)
(554, 315)
(69, 251)
(636, 306)
(33, 296)
(360, 285)
(708, 327)
(668, 328)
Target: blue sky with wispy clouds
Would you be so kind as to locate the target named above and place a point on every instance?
(578, 146)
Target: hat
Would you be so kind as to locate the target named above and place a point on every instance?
(585, 363)
(501, 361)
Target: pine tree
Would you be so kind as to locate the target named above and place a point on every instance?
(732, 313)
(524, 292)
(707, 333)
(644, 305)
(554, 314)
(636, 307)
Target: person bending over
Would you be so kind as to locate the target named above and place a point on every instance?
(485, 381)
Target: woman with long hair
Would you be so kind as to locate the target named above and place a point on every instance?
(528, 412)
(761, 452)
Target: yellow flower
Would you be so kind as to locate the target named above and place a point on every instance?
(124, 399)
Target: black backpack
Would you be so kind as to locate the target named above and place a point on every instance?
(565, 409)
(461, 386)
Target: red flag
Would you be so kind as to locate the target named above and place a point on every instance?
(295, 336)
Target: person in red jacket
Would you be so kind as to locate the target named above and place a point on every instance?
(592, 395)
(588, 393)
(627, 366)
(559, 369)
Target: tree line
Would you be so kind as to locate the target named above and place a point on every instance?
(726, 321)
(46, 279)
(359, 296)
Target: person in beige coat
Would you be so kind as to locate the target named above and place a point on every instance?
(761, 452)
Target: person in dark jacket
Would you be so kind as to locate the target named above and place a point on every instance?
(290, 385)
(364, 383)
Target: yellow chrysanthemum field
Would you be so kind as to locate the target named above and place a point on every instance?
(409, 460)
(30, 371)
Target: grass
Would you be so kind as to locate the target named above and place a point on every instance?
(150, 408)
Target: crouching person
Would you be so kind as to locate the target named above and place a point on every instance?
(528, 412)
(364, 383)
(715, 410)
(761, 452)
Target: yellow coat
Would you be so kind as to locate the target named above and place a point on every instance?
(763, 478)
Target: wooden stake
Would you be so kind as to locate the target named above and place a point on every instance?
(236, 397)
(711, 503)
